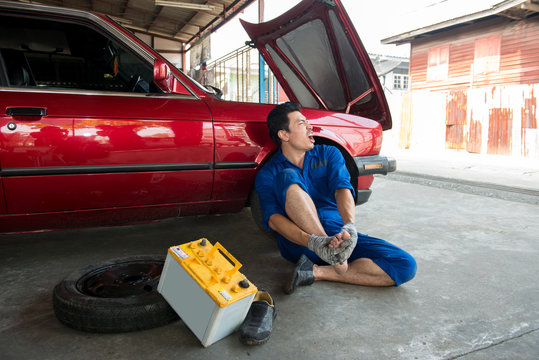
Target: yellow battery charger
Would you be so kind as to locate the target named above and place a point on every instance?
(202, 284)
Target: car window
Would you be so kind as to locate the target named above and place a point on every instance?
(62, 55)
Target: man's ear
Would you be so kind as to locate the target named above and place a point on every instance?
(283, 135)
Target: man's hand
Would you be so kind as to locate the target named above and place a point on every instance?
(347, 246)
(350, 228)
(319, 244)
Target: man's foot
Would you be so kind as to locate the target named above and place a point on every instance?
(338, 239)
(335, 243)
(301, 276)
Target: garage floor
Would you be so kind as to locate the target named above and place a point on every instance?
(475, 296)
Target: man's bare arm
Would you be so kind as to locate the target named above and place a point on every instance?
(346, 205)
(288, 229)
(347, 209)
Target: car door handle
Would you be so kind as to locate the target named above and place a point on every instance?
(26, 111)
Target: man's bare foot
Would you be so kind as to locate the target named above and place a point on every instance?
(339, 239)
(335, 243)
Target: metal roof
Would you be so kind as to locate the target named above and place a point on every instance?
(514, 9)
(180, 20)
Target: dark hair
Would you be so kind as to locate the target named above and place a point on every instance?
(278, 119)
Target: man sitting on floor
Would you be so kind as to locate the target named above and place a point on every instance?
(306, 195)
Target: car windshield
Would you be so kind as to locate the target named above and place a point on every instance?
(200, 86)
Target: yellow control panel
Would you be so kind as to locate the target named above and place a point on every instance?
(215, 270)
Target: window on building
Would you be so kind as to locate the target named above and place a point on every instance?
(397, 82)
(438, 61)
(487, 55)
(400, 81)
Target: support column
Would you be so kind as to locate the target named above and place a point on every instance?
(184, 58)
(261, 65)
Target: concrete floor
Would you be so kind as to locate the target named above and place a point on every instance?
(475, 296)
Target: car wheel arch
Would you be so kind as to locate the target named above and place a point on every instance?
(319, 140)
(254, 203)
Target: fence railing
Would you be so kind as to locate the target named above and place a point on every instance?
(237, 75)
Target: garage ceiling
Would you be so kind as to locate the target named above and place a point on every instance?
(180, 20)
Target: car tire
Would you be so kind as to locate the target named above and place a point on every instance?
(117, 295)
(256, 212)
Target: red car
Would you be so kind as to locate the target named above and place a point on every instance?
(96, 128)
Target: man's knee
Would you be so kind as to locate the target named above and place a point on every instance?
(408, 268)
(294, 189)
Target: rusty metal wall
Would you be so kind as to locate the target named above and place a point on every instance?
(473, 143)
(499, 131)
(529, 124)
(455, 119)
(519, 51)
(491, 104)
(490, 120)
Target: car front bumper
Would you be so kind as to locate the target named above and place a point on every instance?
(371, 165)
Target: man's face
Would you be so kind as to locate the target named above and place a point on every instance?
(300, 132)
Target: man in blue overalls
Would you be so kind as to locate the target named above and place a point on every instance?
(307, 198)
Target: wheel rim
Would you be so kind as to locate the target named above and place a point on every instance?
(121, 280)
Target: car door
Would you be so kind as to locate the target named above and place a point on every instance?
(83, 125)
(318, 58)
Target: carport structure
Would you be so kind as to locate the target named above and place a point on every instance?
(185, 21)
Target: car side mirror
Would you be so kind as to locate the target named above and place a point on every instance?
(218, 92)
(162, 76)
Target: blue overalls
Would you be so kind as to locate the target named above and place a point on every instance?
(323, 172)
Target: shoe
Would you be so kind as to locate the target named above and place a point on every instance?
(256, 328)
(302, 275)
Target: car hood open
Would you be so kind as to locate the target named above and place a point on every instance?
(314, 51)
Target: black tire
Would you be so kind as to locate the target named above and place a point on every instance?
(118, 295)
(256, 212)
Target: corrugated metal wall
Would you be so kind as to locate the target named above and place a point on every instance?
(473, 143)
(455, 120)
(490, 100)
(500, 125)
(406, 121)
(529, 131)
(518, 62)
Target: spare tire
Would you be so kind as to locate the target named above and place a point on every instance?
(117, 295)
(256, 213)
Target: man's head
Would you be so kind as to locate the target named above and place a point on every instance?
(286, 124)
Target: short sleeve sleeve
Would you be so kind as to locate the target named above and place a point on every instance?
(338, 175)
(268, 201)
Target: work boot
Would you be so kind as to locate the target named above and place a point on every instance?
(257, 326)
(302, 275)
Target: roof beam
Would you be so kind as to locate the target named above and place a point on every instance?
(185, 5)
(215, 24)
(531, 5)
(155, 15)
(159, 33)
(497, 9)
(124, 7)
(515, 14)
(218, 3)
